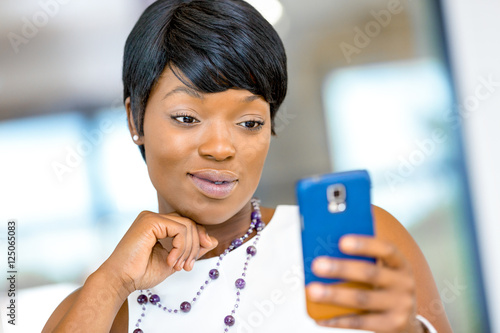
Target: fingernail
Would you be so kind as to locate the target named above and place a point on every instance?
(350, 244)
(328, 322)
(191, 264)
(315, 291)
(324, 266)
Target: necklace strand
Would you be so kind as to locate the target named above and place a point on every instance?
(213, 274)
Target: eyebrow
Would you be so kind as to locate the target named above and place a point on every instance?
(196, 94)
(186, 90)
(251, 98)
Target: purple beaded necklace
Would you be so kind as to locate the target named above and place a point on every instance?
(213, 274)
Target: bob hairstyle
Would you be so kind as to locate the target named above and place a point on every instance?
(210, 45)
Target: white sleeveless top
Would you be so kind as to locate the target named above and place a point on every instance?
(272, 301)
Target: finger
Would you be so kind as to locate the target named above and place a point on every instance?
(373, 247)
(188, 246)
(363, 271)
(207, 243)
(179, 242)
(195, 248)
(380, 323)
(364, 299)
(205, 240)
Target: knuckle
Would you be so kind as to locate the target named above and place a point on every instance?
(184, 228)
(390, 250)
(144, 215)
(362, 297)
(329, 293)
(372, 274)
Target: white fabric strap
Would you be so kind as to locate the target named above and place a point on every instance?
(427, 324)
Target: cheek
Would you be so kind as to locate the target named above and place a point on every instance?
(254, 153)
(167, 150)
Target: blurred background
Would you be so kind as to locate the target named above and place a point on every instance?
(406, 89)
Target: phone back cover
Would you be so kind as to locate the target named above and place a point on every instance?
(321, 230)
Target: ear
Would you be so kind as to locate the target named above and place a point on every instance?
(131, 123)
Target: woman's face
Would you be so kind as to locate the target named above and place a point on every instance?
(204, 152)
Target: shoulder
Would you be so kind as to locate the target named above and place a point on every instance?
(120, 323)
(388, 228)
(386, 225)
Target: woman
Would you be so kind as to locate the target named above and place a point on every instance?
(203, 82)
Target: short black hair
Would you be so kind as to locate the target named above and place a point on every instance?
(216, 44)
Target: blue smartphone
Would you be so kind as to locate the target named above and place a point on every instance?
(332, 206)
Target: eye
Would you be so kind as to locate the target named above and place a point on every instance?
(252, 124)
(185, 119)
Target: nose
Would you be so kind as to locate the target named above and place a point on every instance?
(217, 143)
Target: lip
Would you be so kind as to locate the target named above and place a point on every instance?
(215, 184)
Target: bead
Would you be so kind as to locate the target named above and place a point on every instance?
(256, 225)
(240, 283)
(185, 307)
(154, 299)
(142, 299)
(256, 215)
(237, 242)
(260, 225)
(229, 320)
(214, 274)
(251, 250)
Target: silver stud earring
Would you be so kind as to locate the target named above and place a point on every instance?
(135, 137)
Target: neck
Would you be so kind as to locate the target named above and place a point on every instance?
(229, 230)
(225, 232)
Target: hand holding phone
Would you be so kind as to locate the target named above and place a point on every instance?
(332, 206)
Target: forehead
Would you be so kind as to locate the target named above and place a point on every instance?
(172, 84)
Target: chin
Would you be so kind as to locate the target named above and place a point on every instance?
(207, 211)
